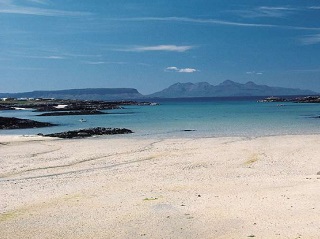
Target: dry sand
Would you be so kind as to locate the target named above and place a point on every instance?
(120, 187)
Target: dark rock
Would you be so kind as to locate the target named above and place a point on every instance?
(55, 105)
(78, 105)
(306, 99)
(273, 99)
(83, 105)
(16, 123)
(5, 107)
(82, 133)
(81, 112)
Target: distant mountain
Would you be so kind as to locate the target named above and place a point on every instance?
(179, 90)
(227, 88)
(81, 94)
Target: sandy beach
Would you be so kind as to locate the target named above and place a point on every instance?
(127, 187)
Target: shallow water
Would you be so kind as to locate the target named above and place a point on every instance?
(208, 117)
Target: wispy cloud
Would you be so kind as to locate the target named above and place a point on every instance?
(311, 39)
(44, 2)
(173, 48)
(266, 8)
(254, 73)
(73, 55)
(10, 7)
(215, 22)
(50, 54)
(53, 57)
(314, 7)
(266, 11)
(105, 62)
(194, 20)
(180, 70)
(23, 68)
(305, 70)
(273, 11)
(97, 63)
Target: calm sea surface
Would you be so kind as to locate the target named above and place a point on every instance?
(208, 117)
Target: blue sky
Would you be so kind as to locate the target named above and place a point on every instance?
(149, 45)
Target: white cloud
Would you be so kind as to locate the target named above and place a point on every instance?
(182, 70)
(172, 68)
(311, 39)
(9, 7)
(187, 70)
(173, 48)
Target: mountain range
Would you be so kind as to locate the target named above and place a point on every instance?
(227, 88)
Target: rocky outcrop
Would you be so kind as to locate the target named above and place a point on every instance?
(306, 99)
(77, 105)
(16, 123)
(81, 112)
(57, 105)
(83, 133)
(5, 107)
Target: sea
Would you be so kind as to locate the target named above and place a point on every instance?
(191, 117)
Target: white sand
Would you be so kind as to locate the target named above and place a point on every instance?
(148, 188)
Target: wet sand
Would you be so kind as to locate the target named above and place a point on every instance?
(120, 187)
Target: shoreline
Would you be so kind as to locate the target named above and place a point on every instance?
(113, 187)
(176, 135)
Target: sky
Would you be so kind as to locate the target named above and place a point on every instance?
(149, 45)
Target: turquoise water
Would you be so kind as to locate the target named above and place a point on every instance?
(208, 117)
